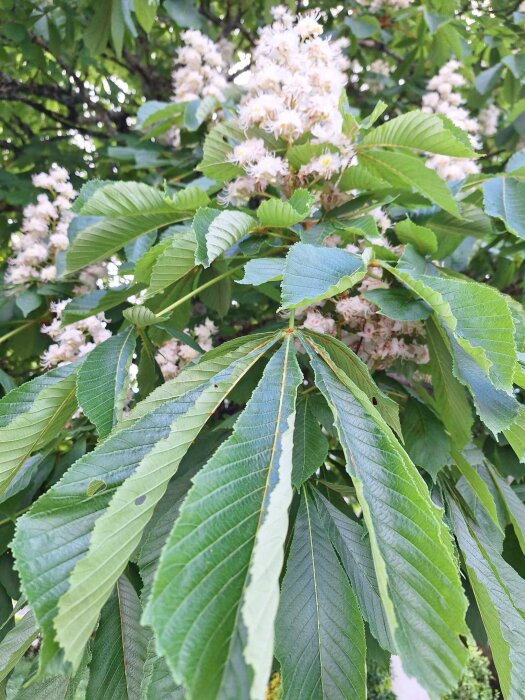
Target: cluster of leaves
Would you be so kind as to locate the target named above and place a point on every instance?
(275, 506)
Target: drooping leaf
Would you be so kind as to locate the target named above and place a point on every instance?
(96, 301)
(421, 132)
(356, 370)
(67, 512)
(320, 633)
(33, 414)
(352, 544)
(215, 163)
(312, 273)
(217, 230)
(115, 534)
(412, 549)
(500, 595)
(425, 440)
(450, 397)
(127, 210)
(226, 550)
(103, 380)
(477, 315)
(119, 648)
(310, 446)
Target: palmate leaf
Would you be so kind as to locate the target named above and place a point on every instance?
(403, 171)
(352, 544)
(216, 591)
(477, 315)
(500, 595)
(412, 549)
(217, 230)
(119, 649)
(127, 210)
(32, 415)
(421, 132)
(118, 531)
(312, 273)
(103, 380)
(215, 163)
(422, 238)
(67, 512)
(320, 638)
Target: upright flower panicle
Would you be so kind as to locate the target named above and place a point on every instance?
(293, 90)
(74, 340)
(173, 355)
(43, 232)
(443, 98)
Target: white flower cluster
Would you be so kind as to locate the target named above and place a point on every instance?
(488, 120)
(74, 340)
(377, 340)
(442, 98)
(44, 230)
(375, 5)
(173, 355)
(293, 89)
(201, 68)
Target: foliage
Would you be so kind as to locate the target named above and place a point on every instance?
(262, 406)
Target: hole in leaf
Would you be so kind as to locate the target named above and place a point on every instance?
(140, 500)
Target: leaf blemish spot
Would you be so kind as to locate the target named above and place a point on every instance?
(140, 500)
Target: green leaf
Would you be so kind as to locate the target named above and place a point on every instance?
(450, 398)
(157, 681)
(397, 303)
(16, 642)
(423, 239)
(119, 649)
(117, 532)
(55, 534)
(28, 301)
(127, 210)
(402, 170)
(146, 11)
(215, 163)
(478, 486)
(320, 632)
(421, 132)
(227, 548)
(313, 273)
(352, 544)
(357, 371)
(216, 231)
(500, 596)
(513, 505)
(262, 270)
(276, 213)
(358, 178)
(176, 260)
(103, 380)
(477, 315)
(417, 575)
(515, 434)
(504, 198)
(32, 415)
(310, 446)
(426, 442)
(140, 316)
